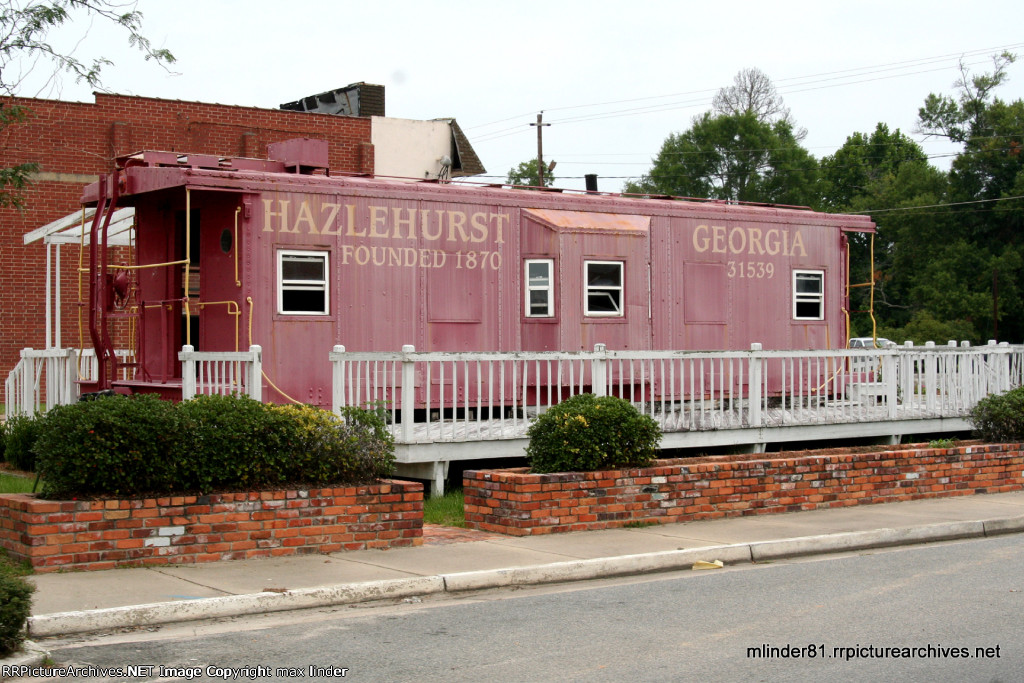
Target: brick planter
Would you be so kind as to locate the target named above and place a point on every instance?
(517, 503)
(102, 534)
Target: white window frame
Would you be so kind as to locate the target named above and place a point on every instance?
(528, 288)
(303, 285)
(809, 297)
(587, 290)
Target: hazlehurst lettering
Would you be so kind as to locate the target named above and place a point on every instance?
(719, 239)
(383, 222)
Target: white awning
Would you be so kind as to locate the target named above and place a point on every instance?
(68, 230)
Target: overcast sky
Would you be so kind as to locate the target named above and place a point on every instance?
(613, 78)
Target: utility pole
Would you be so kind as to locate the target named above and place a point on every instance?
(540, 147)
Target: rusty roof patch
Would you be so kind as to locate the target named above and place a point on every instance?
(590, 221)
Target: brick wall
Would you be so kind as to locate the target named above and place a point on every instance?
(517, 503)
(103, 534)
(74, 143)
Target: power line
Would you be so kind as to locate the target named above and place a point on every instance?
(930, 206)
(823, 78)
(856, 71)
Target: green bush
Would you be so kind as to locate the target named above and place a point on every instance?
(999, 417)
(15, 607)
(353, 448)
(114, 445)
(20, 437)
(141, 445)
(587, 433)
(232, 442)
(3, 441)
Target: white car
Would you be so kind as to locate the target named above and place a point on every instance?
(869, 343)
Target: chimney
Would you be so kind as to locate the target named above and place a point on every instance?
(591, 179)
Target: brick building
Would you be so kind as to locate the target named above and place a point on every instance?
(73, 143)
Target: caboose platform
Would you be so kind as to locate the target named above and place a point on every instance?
(744, 400)
(434, 446)
(464, 407)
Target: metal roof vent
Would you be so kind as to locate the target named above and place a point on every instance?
(304, 156)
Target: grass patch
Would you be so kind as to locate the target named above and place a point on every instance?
(446, 510)
(638, 525)
(10, 483)
(11, 567)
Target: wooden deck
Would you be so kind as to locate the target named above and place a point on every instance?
(700, 399)
(682, 420)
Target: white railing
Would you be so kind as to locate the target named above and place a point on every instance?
(45, 378)
(41, 380)
(447, 397)
(88, 366)
(221, 372)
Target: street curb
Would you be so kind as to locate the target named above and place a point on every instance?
(66, 623)
(597, 568)
(1009, 525)
(864, 540)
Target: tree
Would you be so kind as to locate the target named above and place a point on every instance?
(986, 214)
(965, 117)
(752, 92)
(526, 174)
(735, 157)
(885, 174)
(863, 163)
(25, 27)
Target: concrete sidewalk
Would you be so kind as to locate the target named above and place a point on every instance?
(453, 560)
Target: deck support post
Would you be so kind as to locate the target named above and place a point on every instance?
(437, 480)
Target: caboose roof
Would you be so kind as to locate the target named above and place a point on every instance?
(152, 171)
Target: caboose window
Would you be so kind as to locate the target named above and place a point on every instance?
(808, 295)
(302, 283)
(604, 287)
(540, 288)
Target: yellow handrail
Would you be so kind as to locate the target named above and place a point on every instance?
(249, 301)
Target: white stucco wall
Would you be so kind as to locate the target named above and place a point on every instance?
(408, 148)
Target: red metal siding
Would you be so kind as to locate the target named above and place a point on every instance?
(74, 142)
(441, 267)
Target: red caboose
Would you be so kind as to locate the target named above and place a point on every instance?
(233, 252)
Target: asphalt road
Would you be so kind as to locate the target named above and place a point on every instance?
(947, 612)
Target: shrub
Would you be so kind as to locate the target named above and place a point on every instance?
(587, 432)
(999, 417)
(20, 438)
(231, 442)
(15, 607)
(3, 441)
(115, 445)
(326, 449)
(130, 446)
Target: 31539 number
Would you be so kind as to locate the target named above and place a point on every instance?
(750, 270)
